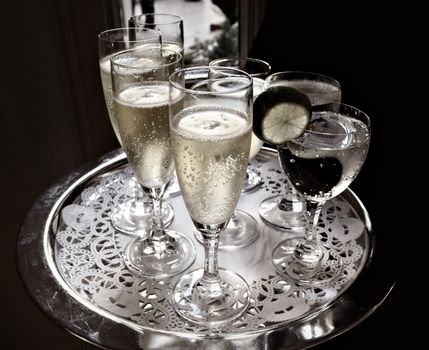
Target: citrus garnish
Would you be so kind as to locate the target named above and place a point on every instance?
(280, 114)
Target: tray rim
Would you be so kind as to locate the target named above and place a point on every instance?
(49, 289)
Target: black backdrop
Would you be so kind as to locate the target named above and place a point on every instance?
(54, 119)
(362, 47)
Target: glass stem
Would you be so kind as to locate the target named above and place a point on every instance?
(211, 283)
(158, 239)
(137, 204)
(309, 250)
(314, 210)
(210, 262)
(234, 222)
(158, 224)
(292, 202)
(138, 191)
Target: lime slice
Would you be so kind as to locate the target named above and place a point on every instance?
(280, 114)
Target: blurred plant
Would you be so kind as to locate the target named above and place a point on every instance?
(225, 44)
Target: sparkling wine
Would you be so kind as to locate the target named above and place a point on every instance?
(142, 112)
(172, 46)
(148, 57)
(322, 163)
(211, 150)
(222, 85)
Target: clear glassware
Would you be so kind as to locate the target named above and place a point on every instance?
(171, 29)
(211, 138)
(168, 25)
(258, 70)
(242, 229)
(133, 216)
(287, 211)
(141, 102)
(321, 164)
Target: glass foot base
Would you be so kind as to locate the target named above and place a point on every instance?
(284, 214)
(251, 182)
(145, 259)
(242, 230)
(136, 218)
(190, 301)
(312, 273)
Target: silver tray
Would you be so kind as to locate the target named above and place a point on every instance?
(70, 260)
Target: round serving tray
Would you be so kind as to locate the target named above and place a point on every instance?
(70, 260)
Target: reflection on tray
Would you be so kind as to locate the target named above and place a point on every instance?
(89, 251)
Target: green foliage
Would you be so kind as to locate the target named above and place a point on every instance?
(224, 44)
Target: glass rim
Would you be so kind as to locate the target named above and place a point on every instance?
(104, 34)
(307, 73)
(216, 62)
(365, 119)
(178, 19)
(209, 68)
(157, 66)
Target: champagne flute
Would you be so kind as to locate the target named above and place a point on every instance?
(242, 228)
(171, 29)
(258, 70)
(133, 216)
(321, 164)
(211, 138)
(141, 102)
(169, 26)
(287, 211)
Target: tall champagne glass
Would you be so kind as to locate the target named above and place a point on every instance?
(242, 229)
(133, 216)
(171, 29)
(258, 70)
(211, 138)
(320, 165)
(141, 102)
(287, 211)
(169, 26)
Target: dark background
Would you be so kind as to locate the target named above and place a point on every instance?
(54, 120)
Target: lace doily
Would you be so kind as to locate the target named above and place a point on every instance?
(88, 253)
